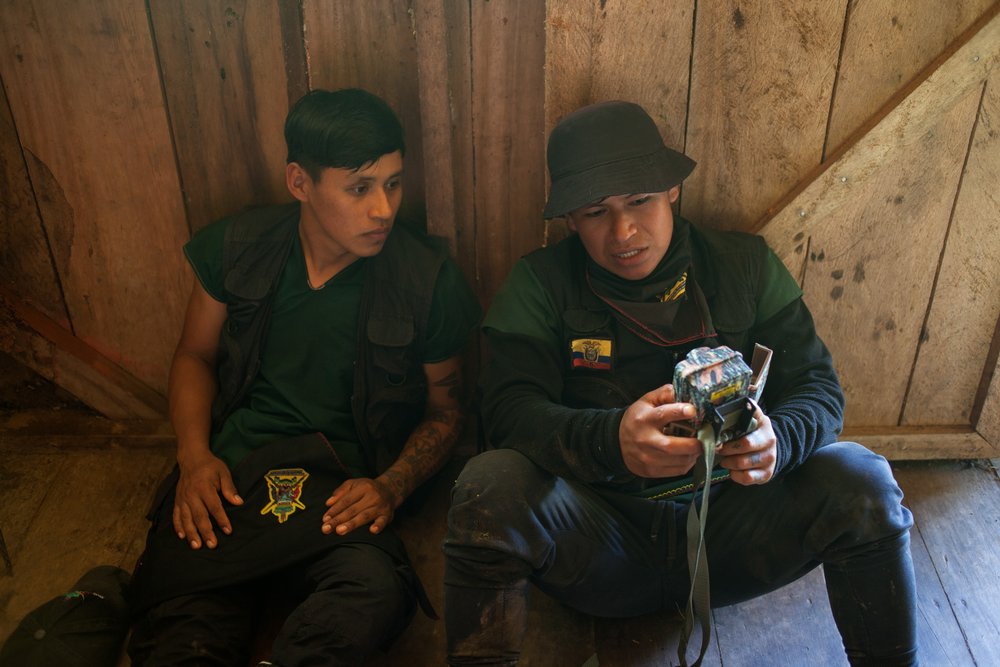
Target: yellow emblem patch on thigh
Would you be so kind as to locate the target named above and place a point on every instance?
(284, 488)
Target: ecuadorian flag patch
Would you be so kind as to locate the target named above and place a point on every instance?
(591, 353)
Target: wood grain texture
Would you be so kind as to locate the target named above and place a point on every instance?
(966, 301)
(885, 45)
(224, 78)
(648, 640)
(445, 71)
(26, 478)
(635, 51)
(921, 442)
(84, 92)
(761, 80)
(870, 271)
(93, 515)
(41, 344)
(955, 507)
(508, 52)
(988, 424)
(41, 430)
(793, 620)
(371, 44)
(25, 262)
(939, 635)
(834, 184)
(556, 634)
(847, 229)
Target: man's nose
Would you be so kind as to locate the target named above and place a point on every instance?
(622, 226)
(381, 207)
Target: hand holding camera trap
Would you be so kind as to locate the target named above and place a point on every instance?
(723, 390)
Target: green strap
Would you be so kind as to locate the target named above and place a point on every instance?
(699, 600)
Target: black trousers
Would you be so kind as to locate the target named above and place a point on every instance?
(351, 601)
(612, 555)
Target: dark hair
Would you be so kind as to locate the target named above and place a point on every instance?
(345, 129)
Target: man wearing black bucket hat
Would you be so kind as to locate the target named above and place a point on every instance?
(588, 489)
(315, 386)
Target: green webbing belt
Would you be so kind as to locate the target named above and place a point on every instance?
(699, 600)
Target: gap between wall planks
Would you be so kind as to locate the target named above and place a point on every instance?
(885, 45)
(961, 322)
(223, 72)
(372, 45)
(822, 204)
(24, 250)
(508, 52)
(95, 149)
(762, 76)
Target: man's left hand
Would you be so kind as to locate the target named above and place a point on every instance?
(357, 502)
(751, 459)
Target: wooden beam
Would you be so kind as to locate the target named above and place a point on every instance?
(967, 62)
(35, 340)
(63, 430)
(911, 443)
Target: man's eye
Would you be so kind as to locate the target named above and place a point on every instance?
(639, 201)
(359, 189)
(393, 184)
(593, 213)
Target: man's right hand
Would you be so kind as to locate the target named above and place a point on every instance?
(649, 453)
(197, 501)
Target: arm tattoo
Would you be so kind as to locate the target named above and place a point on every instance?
(454, 384)
(425, 451)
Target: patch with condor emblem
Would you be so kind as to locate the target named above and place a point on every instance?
(284, 488)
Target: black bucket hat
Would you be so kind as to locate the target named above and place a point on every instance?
(606, 149)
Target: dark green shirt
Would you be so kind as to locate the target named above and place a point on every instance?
(307, 362)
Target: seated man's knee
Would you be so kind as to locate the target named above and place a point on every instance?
(362, 601)
(493, 514)
(208, 629)
(496, 489)
(860, 484)
(495, 473)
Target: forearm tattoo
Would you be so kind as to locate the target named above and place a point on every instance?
(426, 450)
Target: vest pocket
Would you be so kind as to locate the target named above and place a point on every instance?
(733, 316)
(391, 342)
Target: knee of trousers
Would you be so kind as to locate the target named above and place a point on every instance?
(361, 606)
(860, 501)
(493, 516)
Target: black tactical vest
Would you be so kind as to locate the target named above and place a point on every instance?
(389, 385)
(726, 266)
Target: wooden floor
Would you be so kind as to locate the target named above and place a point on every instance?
(65, 509)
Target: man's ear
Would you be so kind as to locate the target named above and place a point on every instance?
(297, 181)
(673, 193)
(570, 225)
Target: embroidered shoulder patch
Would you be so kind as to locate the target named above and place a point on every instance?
(591, 353)
(677, 291)
(284, 488)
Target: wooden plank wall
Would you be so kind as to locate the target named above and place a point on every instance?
(126, 125)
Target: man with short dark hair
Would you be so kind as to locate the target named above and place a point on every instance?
(589, 489)
(315, 386)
